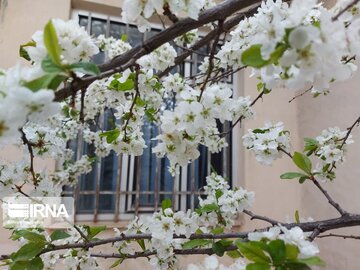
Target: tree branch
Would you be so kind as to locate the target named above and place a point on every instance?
(330, 199)
(128, 59)
(263, 218)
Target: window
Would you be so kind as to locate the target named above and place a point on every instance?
(121, 186)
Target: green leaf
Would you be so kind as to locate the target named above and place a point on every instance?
(252, 57)
(117, 263)
(49, 66)
(296, 266)
(196, 243)
(129, 84)
(141, 243)
(234, 254)
(217, 230)
(166, 204)
(303, 162)
(312, 261)
(22, 51)
(297, 216)
(35, 264)
(219, 248)
(292, 252)
(95, 230)
(124, 37)
(31, 236)
(150, 114)
(276, 55)
(258, 130)
(111, 135)
(47, 81)
(303, 179)
(218, 193)
(209, 208)
(59, 234)
(86, 68)
(51, 43)
(19, 265)
(258, 266)
(139, 102)
(277, 251)
(292, 175)
(28, 251)
(252, 252)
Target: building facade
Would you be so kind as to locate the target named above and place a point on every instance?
(279, 199)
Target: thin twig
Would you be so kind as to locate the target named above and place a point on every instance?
(350, 5)
(301, 94)
(263, 218)
(211, 58)
(31, 153)
(349, 130)
(339, 235)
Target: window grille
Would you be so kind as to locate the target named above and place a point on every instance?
(120, 187)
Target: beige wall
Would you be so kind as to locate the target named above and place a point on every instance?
(340, 108)
(21, 19)
(305, 117)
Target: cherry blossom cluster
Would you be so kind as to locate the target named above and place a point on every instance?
(140, 11)
(160, 59)
(18, 104)
(193, 121)
(297, 45)
(112, 46)
(218, 210)
(329, 148)
(75, 43)
(268, 143)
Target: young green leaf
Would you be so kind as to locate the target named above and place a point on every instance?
(35, 264)
(196, 243)
(297, 216)
(31, 236)
(47, 81)
(277, 251)
(111, 135)
(312, 261)
(117, 262)
(292, 175)
(218, 248)
(94, 230)
(166, 204)
(253, 252)
(292, 252)
(303, 162)
(258, 266)
(87, 68)
(141, 243)
(49, 66)
(59, 234)
(209, 208)
(234, 254)
(252, 57)
(28, 251)
(22, 51)
(52, 43)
